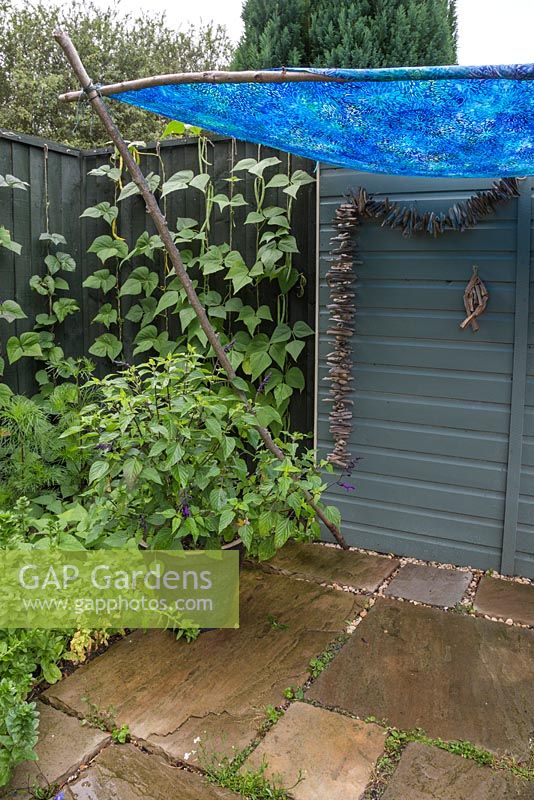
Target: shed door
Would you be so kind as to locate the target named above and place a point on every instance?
(431, 402)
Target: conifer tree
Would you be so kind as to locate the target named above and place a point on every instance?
(273, 34)
(347, 33)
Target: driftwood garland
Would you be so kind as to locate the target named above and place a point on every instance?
(340, 279)
(475, 301)
(459, 217)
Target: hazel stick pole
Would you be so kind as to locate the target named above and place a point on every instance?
(211, 76)
(162, 228)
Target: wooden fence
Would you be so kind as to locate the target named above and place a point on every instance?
(60, 188)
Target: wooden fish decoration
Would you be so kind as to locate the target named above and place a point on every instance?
(476, 298)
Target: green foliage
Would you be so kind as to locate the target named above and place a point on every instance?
(7, 243)
(396, 741)
(10, 311)
(251, 784)
(33, 457)
(262, 346)
(121, 735)
(163, 454)
(30, 655)
(273, 714)
(275, 624)
(48, 792)
(273, 34)
(177, 463)
(187, 631)
(353, 33)
(26, 657)
(294, 693)
(103, 719)
(84, 642)
(115, 45)
(319, 664)
(18, 727)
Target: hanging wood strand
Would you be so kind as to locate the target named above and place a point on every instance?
(340, 278)
(162, 228)
(459, 217)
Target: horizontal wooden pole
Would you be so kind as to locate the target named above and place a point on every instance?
(457, 72)
(251, 76)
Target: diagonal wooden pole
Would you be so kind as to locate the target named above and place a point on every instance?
(162, 228)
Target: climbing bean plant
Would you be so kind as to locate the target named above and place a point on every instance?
(142, 308)
(50, 284)
(246, 300)
(10, 310)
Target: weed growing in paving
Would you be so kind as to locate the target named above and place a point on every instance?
(98, 717)
(275, 625)
(121, 735)
(50, 792)
(460, 608)
(252, 784)
(319, 664)
(397, 740)
(294, 693)
(273, 714)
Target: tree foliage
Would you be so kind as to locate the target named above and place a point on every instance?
(114, 46)
(347, 33)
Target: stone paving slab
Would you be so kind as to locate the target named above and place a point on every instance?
(63, 745)
(334, 753)
(427, 773)
(217, 687)
(426, 584)
(361, 571)
(454, 676)
(123, 772)
(506, 599)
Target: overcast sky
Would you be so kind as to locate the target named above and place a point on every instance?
(491, 31)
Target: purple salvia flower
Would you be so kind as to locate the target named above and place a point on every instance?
(264, 383)
(347, 486)
(186, 511)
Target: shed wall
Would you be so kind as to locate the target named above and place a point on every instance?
(432, 403)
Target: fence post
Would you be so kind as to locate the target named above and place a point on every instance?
(519, 380)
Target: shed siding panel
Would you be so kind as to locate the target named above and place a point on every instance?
(524, 562)
(431, 402)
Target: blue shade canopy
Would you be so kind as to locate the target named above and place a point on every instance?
(429, 121)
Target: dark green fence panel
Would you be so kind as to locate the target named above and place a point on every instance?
(24, 214)
(61, 174)
(438, 412)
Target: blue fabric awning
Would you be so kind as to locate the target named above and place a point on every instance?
(429, 121)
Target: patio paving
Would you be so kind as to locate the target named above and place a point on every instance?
(333, 754)
(431, 585)
(505, 599)
(427, 773)
(64, 743)
(456, 677)
(362, 571)
(218, 687)
(124, 772)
